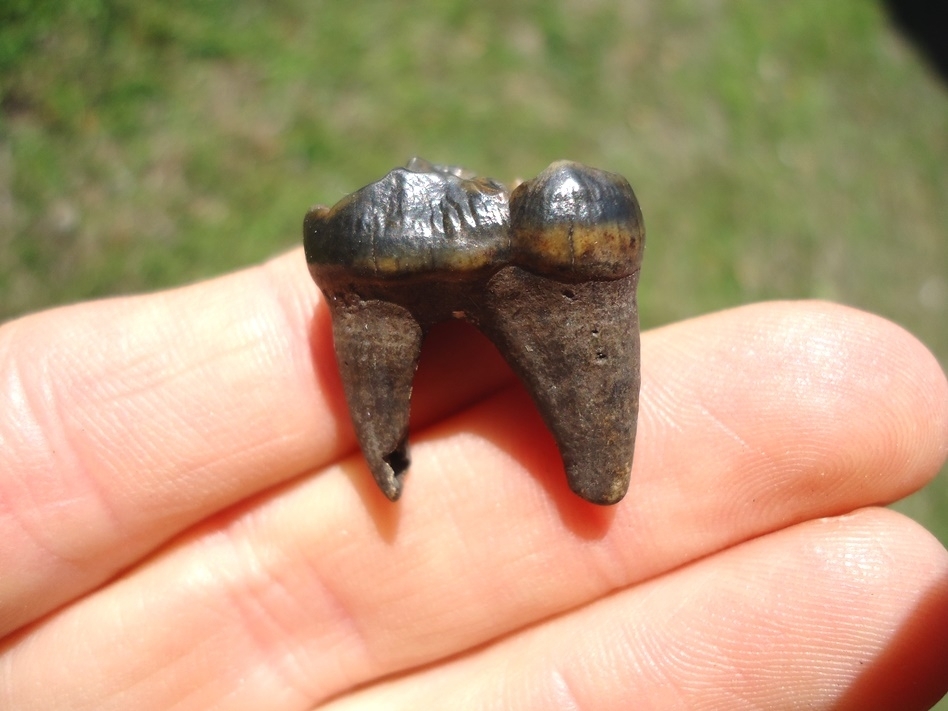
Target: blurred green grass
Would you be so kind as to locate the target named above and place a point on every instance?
(779, 150)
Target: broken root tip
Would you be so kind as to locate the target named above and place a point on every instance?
(390, 471)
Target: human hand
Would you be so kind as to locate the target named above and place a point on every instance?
(185, 521)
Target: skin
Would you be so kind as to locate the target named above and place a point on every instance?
(186, 523)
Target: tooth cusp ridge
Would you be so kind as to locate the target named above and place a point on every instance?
(423, 219)
(577, 222)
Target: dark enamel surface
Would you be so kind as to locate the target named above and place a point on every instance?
(415, 220)
(577, 222)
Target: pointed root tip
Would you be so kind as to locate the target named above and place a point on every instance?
(389, 471)
(601, 490)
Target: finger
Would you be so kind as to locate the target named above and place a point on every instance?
(325, 585)
(846, 613)
(125, 421)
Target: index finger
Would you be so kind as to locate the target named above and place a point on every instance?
(125, 421)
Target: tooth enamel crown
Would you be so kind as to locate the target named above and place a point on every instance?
(571, 220)
(548, 272)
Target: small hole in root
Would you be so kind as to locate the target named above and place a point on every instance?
(398, 461)
(569, 294)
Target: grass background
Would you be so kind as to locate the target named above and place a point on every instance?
(779, 150)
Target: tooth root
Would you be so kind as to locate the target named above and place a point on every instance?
(575, 347)
(378, 344)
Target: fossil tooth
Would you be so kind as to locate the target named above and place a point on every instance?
(549, 276)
